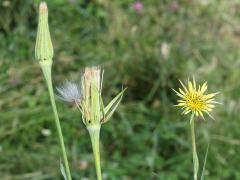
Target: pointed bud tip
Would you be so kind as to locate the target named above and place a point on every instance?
(43, 7)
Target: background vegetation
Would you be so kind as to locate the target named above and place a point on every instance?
(147, 51)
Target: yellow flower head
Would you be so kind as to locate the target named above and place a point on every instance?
(193, 99)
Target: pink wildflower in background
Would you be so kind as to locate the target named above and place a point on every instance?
(138, 6)
(174, 6)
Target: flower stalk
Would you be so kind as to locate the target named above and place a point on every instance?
(94, 132)
(46, 68)
(92, 110)
(194, 149)
(44, 53)
(194, 100)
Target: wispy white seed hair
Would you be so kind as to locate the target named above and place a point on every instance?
(70, 92)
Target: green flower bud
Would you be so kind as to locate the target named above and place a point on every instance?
(44, 47)
(91, 89)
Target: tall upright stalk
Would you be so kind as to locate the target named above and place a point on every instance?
(44, 55)
(46, 68)
(193, 99)
(94, 132)
(194, 149)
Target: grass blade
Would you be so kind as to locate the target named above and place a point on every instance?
(62, 169)
(204, 164)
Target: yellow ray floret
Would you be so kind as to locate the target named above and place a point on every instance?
(193, 99)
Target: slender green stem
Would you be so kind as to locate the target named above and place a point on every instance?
(94, 132)
(46, 68)
(194, 149)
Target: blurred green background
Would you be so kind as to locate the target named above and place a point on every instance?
(146, 49)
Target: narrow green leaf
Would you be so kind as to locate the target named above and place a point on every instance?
(196, 163)
(62, 169)
(204, 164)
